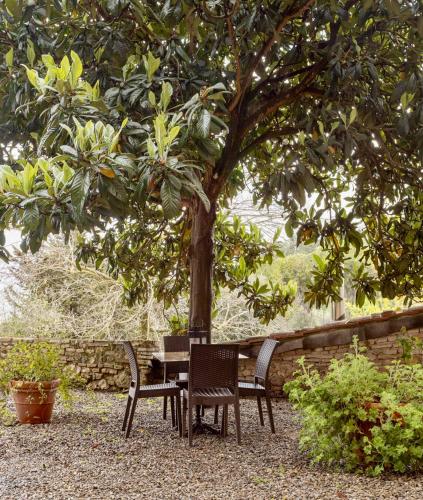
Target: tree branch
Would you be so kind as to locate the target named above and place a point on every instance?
(286, 18)
(235, 46)
(285, 75)
(268, 135)
(271, 105)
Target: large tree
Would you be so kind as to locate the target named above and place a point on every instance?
(178, 106)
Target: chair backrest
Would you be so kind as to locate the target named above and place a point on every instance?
(176, 343)
(133, 363)
(264, 359)
(213, 365)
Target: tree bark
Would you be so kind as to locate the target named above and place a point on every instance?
(201, 266)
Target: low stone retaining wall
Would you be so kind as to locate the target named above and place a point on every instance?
(101, 363)
(379, 333)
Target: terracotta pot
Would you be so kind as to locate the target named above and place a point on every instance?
(34, 400)
(365, 426)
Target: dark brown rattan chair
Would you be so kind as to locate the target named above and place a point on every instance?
(138, 391)
(260, 388)
(175, 372)
(197, 335)
(213, 380)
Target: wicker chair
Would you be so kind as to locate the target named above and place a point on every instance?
(260, 387)
(172, 372)
(138, 391)
(213, 380)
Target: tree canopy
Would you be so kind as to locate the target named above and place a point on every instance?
(137, 123)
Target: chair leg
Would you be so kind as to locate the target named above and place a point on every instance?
(224, 428)
(260, 410)
(165, 408)
(270, 412)
(226, 420)
(131, 416)
(172, 410)
(184, 417)
(190, 422)
(165, 398)
(128, 407)
(237, 421)
(203, 410)
(216, 414)
(178, 414)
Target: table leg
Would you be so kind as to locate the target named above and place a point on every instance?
(201, 427)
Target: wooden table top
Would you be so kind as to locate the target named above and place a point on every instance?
(175, 357)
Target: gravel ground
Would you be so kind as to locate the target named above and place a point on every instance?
(83, 455)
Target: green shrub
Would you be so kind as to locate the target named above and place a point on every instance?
(359, 417)
(36, 362)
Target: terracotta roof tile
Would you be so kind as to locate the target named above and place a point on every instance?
(385, 316)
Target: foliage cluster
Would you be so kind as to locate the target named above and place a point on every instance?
(144, 119)
(48, 296)
(36, 362)
(360, 417)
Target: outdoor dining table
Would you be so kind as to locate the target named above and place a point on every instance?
(167, 358)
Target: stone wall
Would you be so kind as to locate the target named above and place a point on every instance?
(101, 364)
(378, 333)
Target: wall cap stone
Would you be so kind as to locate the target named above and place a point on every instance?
(340, 332)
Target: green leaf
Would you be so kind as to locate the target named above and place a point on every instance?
(64, 68)
(79, 190)
(151, 65)
(33, 78)
(353, 115)
(203, 123)
(160, 133)
(30, 217)
(48, 61)
(319, 261)
(76, 70)
(28, 177)
(204, 199)
(360, 298)
(173, 133)
(9, 58)
(165, 96)
(30, 53)
(171, 200)
(242, 266)
(151, 148)
(14, 7)
(152, 98)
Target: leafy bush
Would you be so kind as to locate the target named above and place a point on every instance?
(359, 417)
(36, 362)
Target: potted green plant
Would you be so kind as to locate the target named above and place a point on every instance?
(360, 417)
(32, 373)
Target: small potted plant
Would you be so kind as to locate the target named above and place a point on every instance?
(32, 373)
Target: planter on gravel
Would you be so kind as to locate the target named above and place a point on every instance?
(32, 372)
(34, 401)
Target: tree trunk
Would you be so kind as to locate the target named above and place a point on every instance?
(201, 267)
